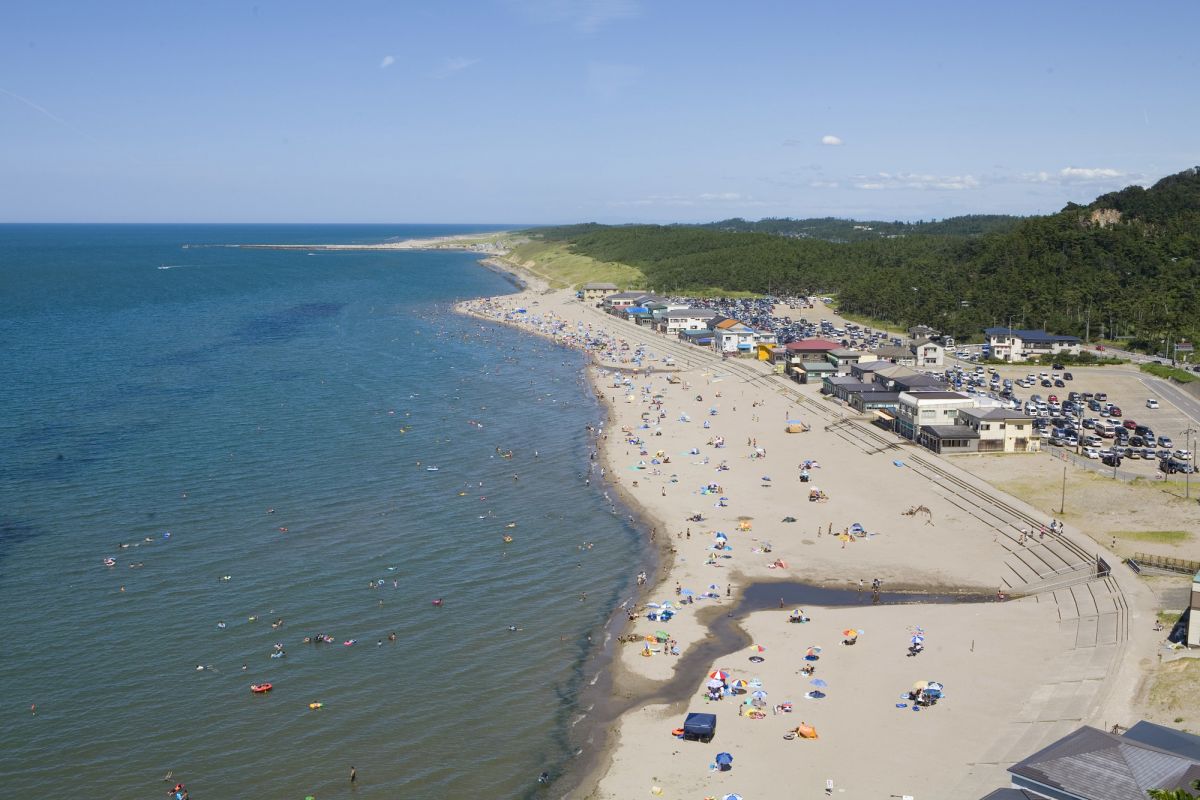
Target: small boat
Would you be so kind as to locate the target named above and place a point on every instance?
(260, 688)
(110, 562)
(431, 469)
(315, 706)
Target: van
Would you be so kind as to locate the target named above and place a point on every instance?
(1100, 396)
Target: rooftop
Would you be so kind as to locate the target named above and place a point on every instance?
(1092, 764)
(993, 413)
(814, 346)
(950, 431)
(1029, 335)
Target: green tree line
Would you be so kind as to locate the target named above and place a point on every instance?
(1126, 265)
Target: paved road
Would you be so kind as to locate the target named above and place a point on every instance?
(1186, 402)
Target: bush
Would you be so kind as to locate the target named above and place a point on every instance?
(1171, 373)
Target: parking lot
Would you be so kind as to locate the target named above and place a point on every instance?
(1123, 387)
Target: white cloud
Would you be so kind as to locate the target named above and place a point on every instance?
(387, 62)
(910, 180)
(452, 66)
(824, 184)
(830, 139)
(1072, 176)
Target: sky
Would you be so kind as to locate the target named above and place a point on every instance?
(558, 111)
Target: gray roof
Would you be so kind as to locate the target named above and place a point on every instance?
(920, 381)
(843, 352)
(817, 366)
(1104, 766)
(921, 395)
(1009, 794)
(893, 351)
(869, 396)
(872, 366)
(993, 413)
(1178, 742)
(950, 431)
(923, 342)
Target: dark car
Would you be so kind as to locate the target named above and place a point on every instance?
(1111, 460)
(1137, 441)
(1058, 367)
(1131, 453)
(1115, 411)
(1059, 382)
(1068, 376)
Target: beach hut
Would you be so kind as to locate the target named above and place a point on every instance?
(699, 727)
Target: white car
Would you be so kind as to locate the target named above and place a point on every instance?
(1091, 452)
(1183, 455)
(1151, 403)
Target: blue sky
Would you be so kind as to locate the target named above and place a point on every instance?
(531, 111)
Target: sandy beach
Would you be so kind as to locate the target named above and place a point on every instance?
(695, 436)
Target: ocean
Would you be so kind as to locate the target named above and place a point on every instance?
(250, 436)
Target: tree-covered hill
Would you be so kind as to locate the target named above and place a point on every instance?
(1127, 264)
(833, 229)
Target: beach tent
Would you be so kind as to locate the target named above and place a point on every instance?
(796, 429)
(724, 761)
(701, 727)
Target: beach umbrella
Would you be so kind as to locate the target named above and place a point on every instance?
(687, 592)
(758, 648)
(814, 650)
(713, 586)
(732, 797)
(919, 685)
(820, 684)
(935, 686)
(662, 635)
(653, 605)
(917, 640)
(724, 758)
(715, 684)
(740, 683)
(758, 695)
(722, 536)
(850, 632)
(719, 675)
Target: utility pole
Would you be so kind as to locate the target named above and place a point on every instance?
(1191, 462)
(1062, 503)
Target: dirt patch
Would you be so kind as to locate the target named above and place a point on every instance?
(1173, 693)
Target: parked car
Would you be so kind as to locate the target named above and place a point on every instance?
(1165, 441)
(1147, 453)
(1101, 396)
(1114, 411)
(1052, 398)
(1151, 403)
(1111, 460)
(1068, 376)
(1091, 452)
(1173, 465)
(1183, 455)
(1129, 424)
(1059, 382)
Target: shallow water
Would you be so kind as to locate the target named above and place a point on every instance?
(140, 401)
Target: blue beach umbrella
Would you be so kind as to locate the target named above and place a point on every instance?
(724, 758)
(820, 684)
(759, 695)
(686, 592)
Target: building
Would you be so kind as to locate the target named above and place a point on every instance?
(949, 439)
(1001, 430)
(839, 386)
(897, 354)
(923, 332)
(1193, 634)
(595, 292)
(917, 410)
(812, 371)
(1090, 764)
(621, 300)
(928, 353)
(1014, 345)
(882, 404)
(731, 336)
(916, 382)
(687, 319)
(844, 359)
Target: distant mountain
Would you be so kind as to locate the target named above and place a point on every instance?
(832, 229)
(1125, 265)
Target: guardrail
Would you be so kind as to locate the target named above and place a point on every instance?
(1180, 565)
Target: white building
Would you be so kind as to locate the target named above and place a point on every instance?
(1014, 344)
(918, 409)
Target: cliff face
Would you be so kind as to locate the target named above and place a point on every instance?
(1104, 217)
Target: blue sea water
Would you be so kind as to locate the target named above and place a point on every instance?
(270, 417)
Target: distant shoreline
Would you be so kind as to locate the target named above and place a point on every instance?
(472, 242)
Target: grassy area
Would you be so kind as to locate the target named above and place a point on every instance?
(1174, 688)
(869, 322)
(1169, 618)
(1158, 537)
(1163, 371)
(561, 268)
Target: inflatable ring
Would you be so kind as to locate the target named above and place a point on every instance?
(756, 659)
(789, 736)
(677, 732)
